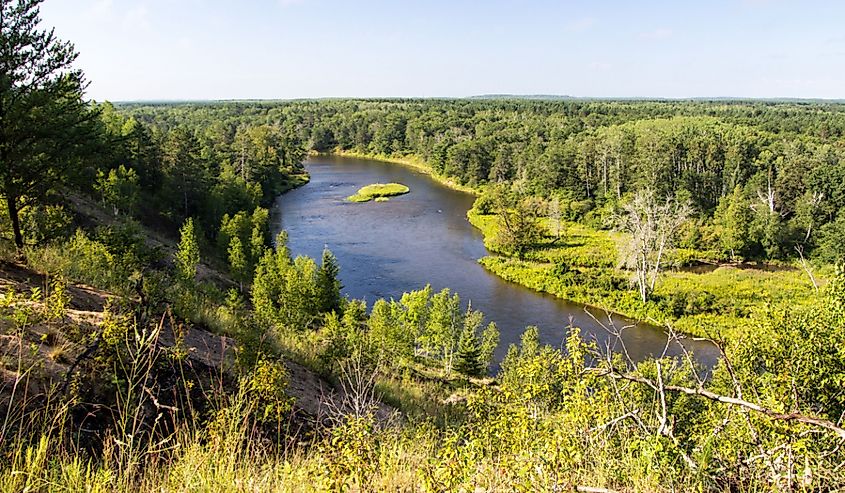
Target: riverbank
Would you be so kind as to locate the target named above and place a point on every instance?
(294, 181)
(719, 303)
(412, 162)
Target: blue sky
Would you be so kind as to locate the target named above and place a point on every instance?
(280, 49)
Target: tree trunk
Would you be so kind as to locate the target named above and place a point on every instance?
(12, 206)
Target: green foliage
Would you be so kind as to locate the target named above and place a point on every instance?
(770, 175)
(285, 291)
(389, 339)
(87, 260)
(733, 220)
(251, 232)
(266, 385)
(119, 189)
(188, 252)
(442, 330)
(378, 191)
(47, 127)
(489, 343)
(468, 355)
(238, 261)
(328, 283)
(832, 240)
(45, 222)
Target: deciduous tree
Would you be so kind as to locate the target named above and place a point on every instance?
(651, 224)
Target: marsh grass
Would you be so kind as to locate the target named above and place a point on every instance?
(583, 267)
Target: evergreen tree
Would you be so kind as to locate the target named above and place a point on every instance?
(45, 126)
(328, 283)
(187, 177)
(468, 357)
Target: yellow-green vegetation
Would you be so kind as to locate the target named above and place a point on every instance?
(294, 180)
(411, 161)
(584, 266)
(130, 363)
(406, 418)
(378, 191)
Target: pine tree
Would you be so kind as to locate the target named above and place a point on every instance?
(328, 283)
(468, 358)
(45, 125)
(188, 253)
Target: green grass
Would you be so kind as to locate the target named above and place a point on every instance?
(584, 267)
(378, 191)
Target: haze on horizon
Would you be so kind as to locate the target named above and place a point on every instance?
(286, 49)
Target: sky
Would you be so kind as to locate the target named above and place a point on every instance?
(286, 49)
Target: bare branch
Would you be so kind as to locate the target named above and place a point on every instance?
(701, 392)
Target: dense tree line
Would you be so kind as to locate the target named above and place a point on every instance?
(203, 171)
(781, 164)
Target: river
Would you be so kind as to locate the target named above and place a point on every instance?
(423, 237)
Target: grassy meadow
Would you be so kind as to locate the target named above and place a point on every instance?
(710, 301)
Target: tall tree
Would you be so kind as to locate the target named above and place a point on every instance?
(44, 123)
(188, 252)
(732, 219)
(518, 225)
(238, 262)
(328, 283)
(186, 173)
(652, 225)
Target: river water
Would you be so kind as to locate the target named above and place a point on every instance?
(423, 237)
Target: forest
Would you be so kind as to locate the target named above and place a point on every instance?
(155, 337)
(780, 160)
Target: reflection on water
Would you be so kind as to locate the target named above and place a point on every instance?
(388, 248)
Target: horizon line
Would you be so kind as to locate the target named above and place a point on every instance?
(492, 96)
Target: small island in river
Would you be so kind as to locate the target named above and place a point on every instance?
(378, 191)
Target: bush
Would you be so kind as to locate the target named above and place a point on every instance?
(684, 303)
(43, 223)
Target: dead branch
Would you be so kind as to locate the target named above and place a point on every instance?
(633, 415)
(702, 392)
(806, 266)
